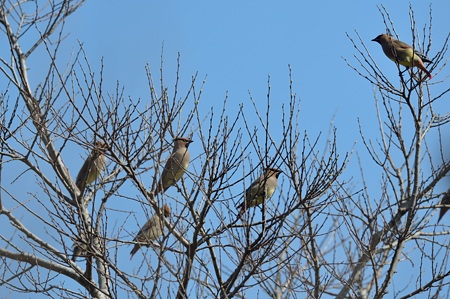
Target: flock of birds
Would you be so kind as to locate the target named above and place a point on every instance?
(258, 192)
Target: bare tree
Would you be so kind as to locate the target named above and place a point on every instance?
(395, 230)
(287, 247)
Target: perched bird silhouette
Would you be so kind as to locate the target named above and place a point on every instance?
(445, 201)
(260, 190)
(402, 53)
(92, 167)
(175, 166)
(151, 231)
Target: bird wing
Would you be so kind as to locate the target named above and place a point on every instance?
(141, 235)
(172, 167)
(400, 44)
(256, 192)
(91, 169)
(81, 177)
(168, 167)
(405, 46)
(422, 56)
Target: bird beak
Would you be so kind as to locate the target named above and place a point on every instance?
(375, 39)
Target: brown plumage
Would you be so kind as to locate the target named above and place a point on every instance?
(152, 230)
(77, 251)
(402, 53)
(176, 165)
(260, 190)
(92, 167)
(89, 172)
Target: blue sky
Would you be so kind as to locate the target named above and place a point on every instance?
(236, 45)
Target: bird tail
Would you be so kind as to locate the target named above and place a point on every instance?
(134, 250)
(242, 208)
(423, 57)
(442, 213)
(425, 70)
(420, 65)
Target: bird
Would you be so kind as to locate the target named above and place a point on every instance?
(89, 172)
(152, 230)
(92, 167)
(176, 165)
(77, 251)
(260, 190)
(444, 201)
(402, 53)
(79, 246)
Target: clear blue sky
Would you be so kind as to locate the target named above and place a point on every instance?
(237, 44)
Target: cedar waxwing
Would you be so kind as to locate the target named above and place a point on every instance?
(92, 167)
(176, 165)
(76, 252)
(78, 248)
(445, 201)
(260, 190)
(402, 53)
(151, 231)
